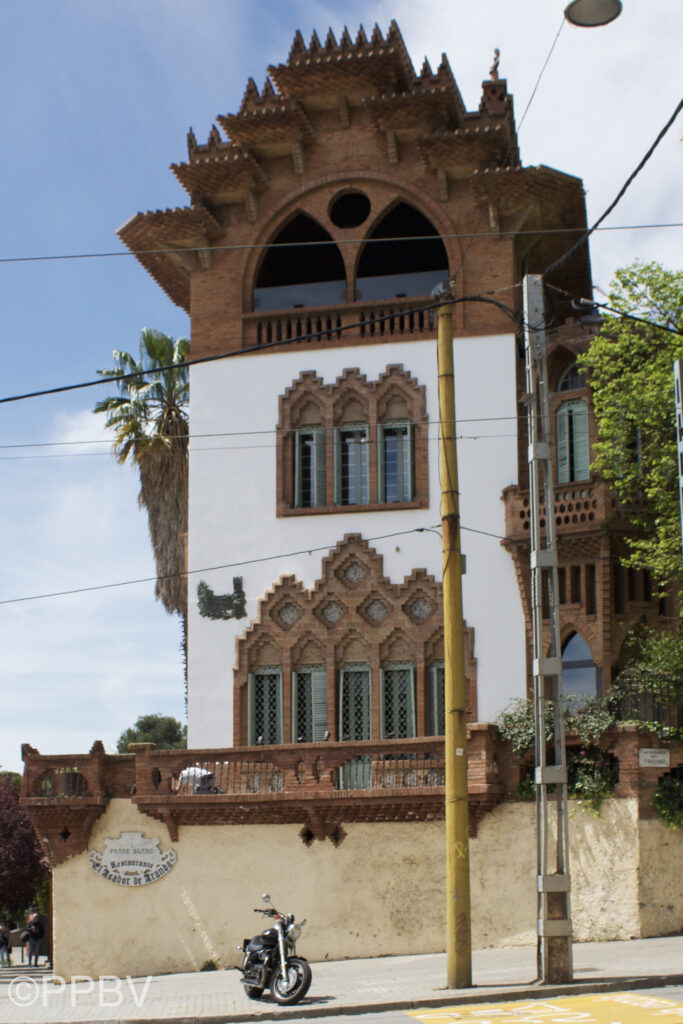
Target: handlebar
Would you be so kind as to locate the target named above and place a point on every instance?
(268, 911)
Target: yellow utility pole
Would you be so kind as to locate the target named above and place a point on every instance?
(458, 921)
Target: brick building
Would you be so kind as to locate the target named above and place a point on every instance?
(346, 189)
(336, 198)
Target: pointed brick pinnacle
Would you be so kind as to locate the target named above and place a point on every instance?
(298, 48)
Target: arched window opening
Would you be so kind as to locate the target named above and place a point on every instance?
(573, 450)
(403, 257)
(581, 677)
(294, 275)
(571, 379)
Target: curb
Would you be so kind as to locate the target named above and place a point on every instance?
(271, 1011)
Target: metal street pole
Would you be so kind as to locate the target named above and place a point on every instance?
(554, 927)
(458, 919)
(678, 386)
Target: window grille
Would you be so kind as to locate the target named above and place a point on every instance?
(265, 705)
(395, 462)
(354, 703)
(309, 704)
(435, 699)
(309, 468)
(573, 454)
(398, 700)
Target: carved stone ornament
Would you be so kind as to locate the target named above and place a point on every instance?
(222, 606)
(288, 614)
(376, 611)
(332, 612)
(421, 609)
(355, 572)
(132, 860)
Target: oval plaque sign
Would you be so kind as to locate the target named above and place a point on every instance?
(132, 860)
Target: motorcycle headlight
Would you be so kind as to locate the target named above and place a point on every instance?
(294, 931)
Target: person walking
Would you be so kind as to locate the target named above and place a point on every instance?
(35, 933)
(5, 945)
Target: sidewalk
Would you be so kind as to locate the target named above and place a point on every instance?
(345, 986)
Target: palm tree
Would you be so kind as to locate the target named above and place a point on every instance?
(150, 423)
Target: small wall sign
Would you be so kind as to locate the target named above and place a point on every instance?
(132, 860)
(651, 757)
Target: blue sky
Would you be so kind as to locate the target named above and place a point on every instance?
(97, 100)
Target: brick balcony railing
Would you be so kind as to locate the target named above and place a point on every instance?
(579, 508)
(390, 319)
(319, 786)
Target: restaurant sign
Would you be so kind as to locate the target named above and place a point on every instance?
(132, 860)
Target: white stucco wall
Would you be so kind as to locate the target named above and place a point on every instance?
(361, 898)
(233, 496)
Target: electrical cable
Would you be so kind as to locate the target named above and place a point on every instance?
(540, 75)
(622, 190)
(228, 565)
(341, 241)
(326, 333)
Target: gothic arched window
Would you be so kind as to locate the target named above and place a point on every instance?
(403, 256)
(293, 274)
(581, 677)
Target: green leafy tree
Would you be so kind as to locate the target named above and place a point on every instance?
(149, 420)
(164, 730)
(23, 865)
(630, 369)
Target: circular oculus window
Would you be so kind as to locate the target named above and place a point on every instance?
(350, 209)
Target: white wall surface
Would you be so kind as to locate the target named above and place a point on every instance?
(234, 413)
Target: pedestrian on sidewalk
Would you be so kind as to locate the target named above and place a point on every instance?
(5, 945)
(35, 933)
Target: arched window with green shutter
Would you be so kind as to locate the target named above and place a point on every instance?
(435, 700)
(309, 468)
(395, 470)
(573, 449)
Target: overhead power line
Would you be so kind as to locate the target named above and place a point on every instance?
(284, 342)
(232, 565)
(586, 235)
(340, 241)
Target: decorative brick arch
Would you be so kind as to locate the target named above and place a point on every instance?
(352, 615)
(310, 406)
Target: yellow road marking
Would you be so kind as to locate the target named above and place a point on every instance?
(611, 1008)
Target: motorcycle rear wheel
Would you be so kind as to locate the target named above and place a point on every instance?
(253, 992)
(298, 982)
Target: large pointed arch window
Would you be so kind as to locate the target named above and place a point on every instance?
(573, 450)
(302, 267)
(403, 256)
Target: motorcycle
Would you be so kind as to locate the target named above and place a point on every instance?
(270, 959)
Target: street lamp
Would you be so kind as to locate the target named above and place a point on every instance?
(592, 13)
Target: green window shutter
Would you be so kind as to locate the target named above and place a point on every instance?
(408, 462)
(435, 699)
(381, 486)
(297, 469)
(319, 702)
(581, 448)
(562, 431)
(251, 738)
(337, 467)
(320, 475)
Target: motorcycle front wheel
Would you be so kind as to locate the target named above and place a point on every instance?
(295, 986)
